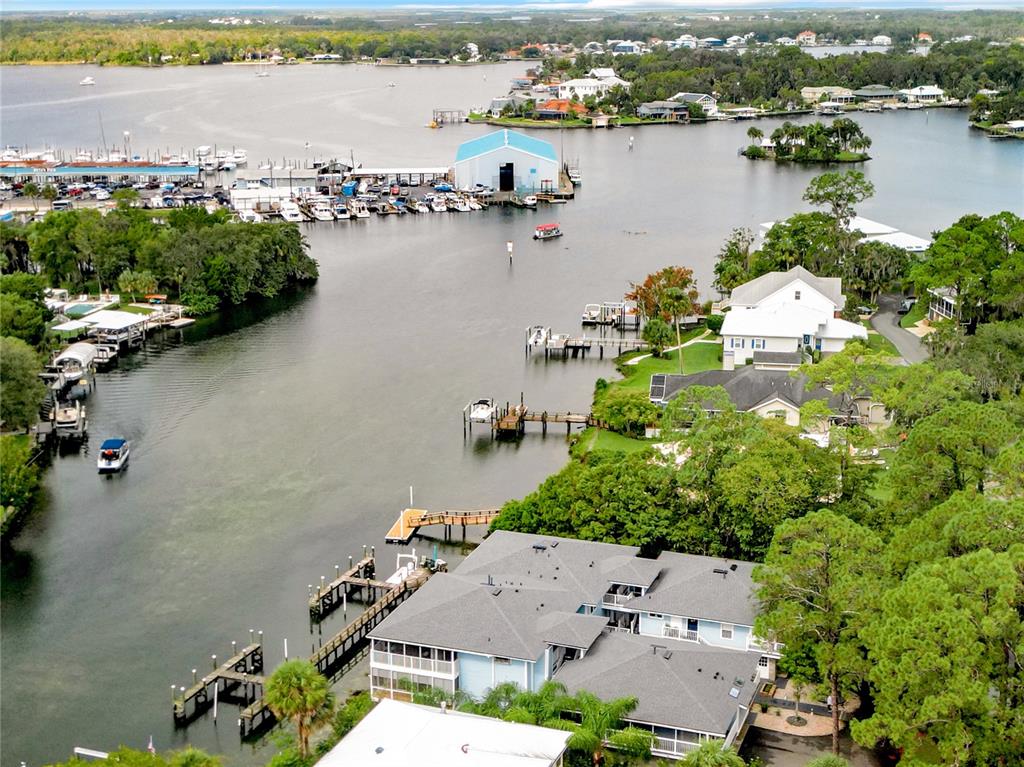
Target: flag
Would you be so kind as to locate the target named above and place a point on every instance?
(150, 747)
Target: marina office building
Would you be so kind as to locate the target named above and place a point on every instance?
(676, 632)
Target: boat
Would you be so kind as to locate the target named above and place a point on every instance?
(87, 81)
(420, 206)
(530, 201)
(458, 204)
(239, 157)
(473, 204)
(113, 456)
(391, 84)
(69, 419)
(358, 209)
(575, 176)
(547, 232)
(481, 411)
(915, 105)
(539, 335)
(321, 211)
(249, 216)
(290, 212)
(341, 211)
(228, 165)
(437, 204)
(591, 314)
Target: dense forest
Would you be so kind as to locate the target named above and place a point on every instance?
(191, 39)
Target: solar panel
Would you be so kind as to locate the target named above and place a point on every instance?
(657, 387)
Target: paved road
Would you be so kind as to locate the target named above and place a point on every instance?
(780, 750)
(887, 322)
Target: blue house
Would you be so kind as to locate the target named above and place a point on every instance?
(676, 632)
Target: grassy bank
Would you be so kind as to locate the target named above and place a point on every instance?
(916, 314)
(696, 357)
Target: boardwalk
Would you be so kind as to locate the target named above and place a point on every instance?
(411, 520)
(511, 422)
(333, 654)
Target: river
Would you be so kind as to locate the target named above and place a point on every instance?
(270, 445)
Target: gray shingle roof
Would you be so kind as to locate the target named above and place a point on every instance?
(498, 601)
(571, 629)
(778, 358)
(749, 387)
(759, 288)
(689, 689)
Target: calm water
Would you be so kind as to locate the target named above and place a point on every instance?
(269, 449)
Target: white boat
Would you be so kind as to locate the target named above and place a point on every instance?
(249, 216)
(591, 314)
(202, 151)
(473, 204)
(459, 205)
(358, 209)
(391, 84)
(321, 211)
(437, 205)
(239, 157)
(575, 176)
(539, 335)
(290, 212)
(87, 81)
(481, 411)
(228, 165)
(113, 456)
(69, 418)
(341, 211)
(420, 206)
(530, 201)
(915, 105)
(547, 232)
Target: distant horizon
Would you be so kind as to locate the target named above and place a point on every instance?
(722, 6)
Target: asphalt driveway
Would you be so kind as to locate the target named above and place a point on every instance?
(887, 322)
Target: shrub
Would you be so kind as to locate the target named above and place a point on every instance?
(753, 152)
(627, 412)
(714, 323)
(657, 334)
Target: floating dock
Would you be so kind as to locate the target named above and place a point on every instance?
(411, 520)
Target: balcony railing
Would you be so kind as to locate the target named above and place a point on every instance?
(678, 633)
(444, 667)
(753, 643)
(617, 599)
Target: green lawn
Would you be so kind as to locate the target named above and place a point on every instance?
(593, 438)
(916, 314)
(696, 357)
(133, 309)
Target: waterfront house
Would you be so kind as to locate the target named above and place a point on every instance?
(559, 109)
(881, 40)
(705, 101)
(582, 87)
(528, 608)
(807, 37)
(770, 392)
(602, 73)
(873, 231)
(1015, 126)
(785, 41)
(924, 38)
(785, 312)
(396, 734)
(876, 93)
(626, 47)
(943, 304)
(663, 110)
(924, 94)
(507, 161)
(834, 93)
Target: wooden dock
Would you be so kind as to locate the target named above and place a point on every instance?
(237, 678)
(333, 654)
(356, 583)
(512, 421)
(411, 520)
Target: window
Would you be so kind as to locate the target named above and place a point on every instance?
(502, 661)
(656, 615)
(757, 343)
(726, 631)
(796, 295)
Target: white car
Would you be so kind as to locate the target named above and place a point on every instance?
(101, 194)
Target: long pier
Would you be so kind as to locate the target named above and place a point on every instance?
(565, 345)
(411, 520)
(511, 422)
(332, 655)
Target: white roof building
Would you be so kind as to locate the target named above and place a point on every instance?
(873, 231)
(601, 73)
(785, 312)
(924, 93)
(398, 734)
(881, 40)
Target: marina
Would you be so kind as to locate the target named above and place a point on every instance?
(192, 400)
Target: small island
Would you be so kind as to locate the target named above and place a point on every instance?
(842, 141)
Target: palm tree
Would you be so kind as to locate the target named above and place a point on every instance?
(298, 692)
(31, 189)
(712, 754)
(754, 133)
(678, 303)
(601, 724)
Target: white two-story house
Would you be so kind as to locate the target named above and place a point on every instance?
(785, 312)
(676, 632)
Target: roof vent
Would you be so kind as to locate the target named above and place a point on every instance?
(495, 592)
(539, 547)
(733, 567)
(734, 693)
(699, 670)
(667, 655)
(738, 682)
(554, 544)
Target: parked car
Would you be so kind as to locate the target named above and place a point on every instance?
(906, 305)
